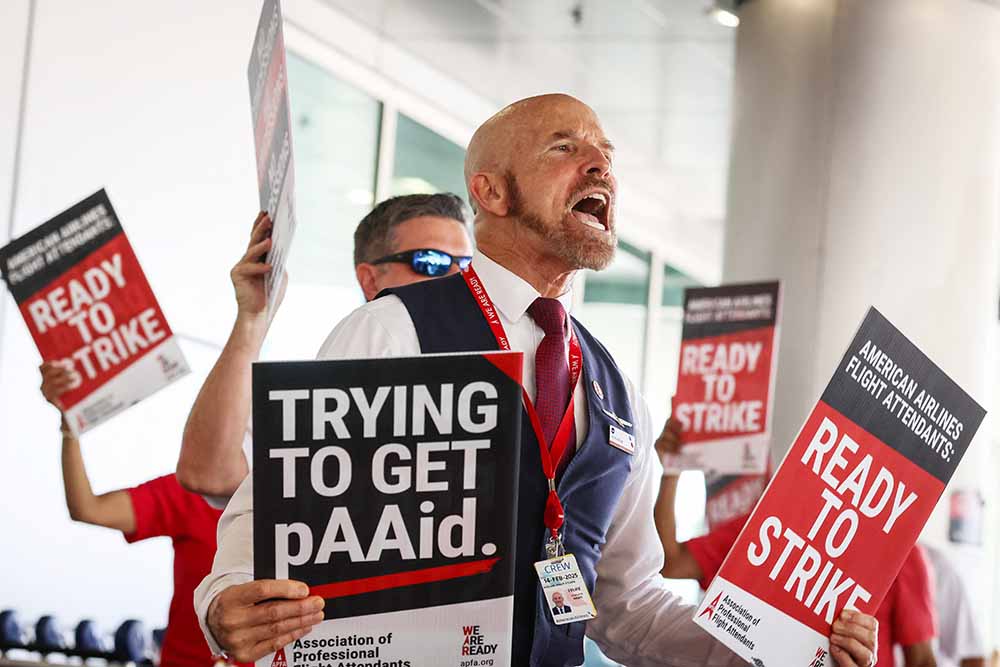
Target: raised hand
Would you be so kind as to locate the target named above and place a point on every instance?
(669, 441)
(57, 379)
(250, 272)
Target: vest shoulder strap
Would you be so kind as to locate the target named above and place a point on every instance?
(445, 316)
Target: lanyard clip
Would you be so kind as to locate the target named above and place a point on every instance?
(554, 547)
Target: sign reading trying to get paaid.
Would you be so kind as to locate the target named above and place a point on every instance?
(389, 487)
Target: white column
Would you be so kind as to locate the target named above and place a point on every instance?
(865, 170)
(16, 29)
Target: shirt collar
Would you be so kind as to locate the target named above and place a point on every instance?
(511, 293)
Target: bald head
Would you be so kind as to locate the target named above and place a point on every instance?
(506, 132)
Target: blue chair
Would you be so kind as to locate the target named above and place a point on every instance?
(49, 636)
(88, 641)
(13, 634)
(131, 642)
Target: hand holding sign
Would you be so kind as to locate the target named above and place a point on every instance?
(253, 619)
(250, 274)
(57, 379)
(854, 642)
(669, 441)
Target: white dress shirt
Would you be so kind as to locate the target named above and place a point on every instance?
(640, 622)
(959, 636)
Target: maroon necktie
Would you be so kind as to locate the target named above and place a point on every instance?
(552, 389)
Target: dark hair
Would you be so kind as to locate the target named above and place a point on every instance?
(372, 238)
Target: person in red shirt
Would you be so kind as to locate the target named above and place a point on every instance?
(905, 617)
(159, 507)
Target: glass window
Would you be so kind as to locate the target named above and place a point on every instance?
(661, 381)
(335, 134)
(614, 307)
(674, 283)
(425, 162)
(335, 131)
(661, 378)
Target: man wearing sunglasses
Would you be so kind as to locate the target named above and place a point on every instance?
(403, 240)
(408, 239)
(540, 178)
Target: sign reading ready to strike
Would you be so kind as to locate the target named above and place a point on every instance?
(725, 381)
(847, 503)
(87, 304)
(389, 486)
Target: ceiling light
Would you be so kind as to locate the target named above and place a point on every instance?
(724, 17)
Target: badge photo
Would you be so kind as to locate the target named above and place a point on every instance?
(565, 591)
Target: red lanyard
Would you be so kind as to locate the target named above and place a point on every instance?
(550, 454)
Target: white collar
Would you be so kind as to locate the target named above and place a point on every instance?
(511, 293)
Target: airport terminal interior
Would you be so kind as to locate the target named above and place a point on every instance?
(847, 148)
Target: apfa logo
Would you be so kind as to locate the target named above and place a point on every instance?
(819, 659)
(474, 643)
(710, 609)
(167, 366)
(279, 659)
(748, 456)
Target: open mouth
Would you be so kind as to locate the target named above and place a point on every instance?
(592, 210)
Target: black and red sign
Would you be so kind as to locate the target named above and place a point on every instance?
(730, 496)
(725, 378)
(847, 503)
(87, 304)
(267, 73)
(389, 487)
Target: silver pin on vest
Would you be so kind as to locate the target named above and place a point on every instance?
(598, 390)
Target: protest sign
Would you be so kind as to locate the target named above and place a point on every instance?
(268, 77)
(725, 380)
(847, 503)
(731, 496)
(87, 304)
(389, 486)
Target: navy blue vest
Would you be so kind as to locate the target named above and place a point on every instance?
(448, 319)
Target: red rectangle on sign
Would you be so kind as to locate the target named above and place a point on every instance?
(835, 524)
(724, 385)
(100, 315)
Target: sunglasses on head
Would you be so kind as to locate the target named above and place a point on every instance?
(427, 261)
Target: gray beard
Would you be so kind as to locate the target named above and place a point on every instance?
(563, 240)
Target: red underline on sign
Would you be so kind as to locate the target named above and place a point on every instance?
(383, 582)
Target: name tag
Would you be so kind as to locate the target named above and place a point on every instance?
(622, 439)
(565, 592)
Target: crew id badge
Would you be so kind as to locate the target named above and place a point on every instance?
(565, 592)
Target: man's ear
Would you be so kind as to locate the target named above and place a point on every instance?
(366, 274)
(490, 193)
